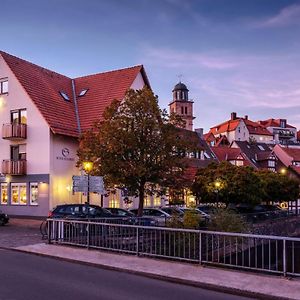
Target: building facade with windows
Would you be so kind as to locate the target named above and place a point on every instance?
(42, 115)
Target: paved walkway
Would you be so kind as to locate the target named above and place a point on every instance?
(258, 285)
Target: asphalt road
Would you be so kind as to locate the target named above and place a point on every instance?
(25, 276)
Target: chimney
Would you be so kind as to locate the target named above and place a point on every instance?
(246, 117)
(233, 116)
(199, 132)
(283, 123)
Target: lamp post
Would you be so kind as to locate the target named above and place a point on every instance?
(217, 186)
(88, 167)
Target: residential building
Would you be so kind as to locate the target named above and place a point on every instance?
(242, 129)
(283, 132)
(258, 155)
(233, 155)
(43, 113)
(289, 157)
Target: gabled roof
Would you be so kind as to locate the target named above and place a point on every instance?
(273, 123)
(231, 125)
(44, 86)
(294, 153)
(227, 154)
(256, 152)
(103, 88)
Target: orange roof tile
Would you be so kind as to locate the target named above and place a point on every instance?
(226, 154)
(293, 152)
(273, 123)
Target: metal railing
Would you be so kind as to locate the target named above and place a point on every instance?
(14, 167)
(270, 254)
(14, 131)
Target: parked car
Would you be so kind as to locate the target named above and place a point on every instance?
(120, 212)
(3, 218)
(172, 210)
(197, 211)
(79, 211)
(155, 213)
(131, 218)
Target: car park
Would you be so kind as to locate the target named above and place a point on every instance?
(4, 219)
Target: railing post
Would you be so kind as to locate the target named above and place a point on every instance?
(137, 243)
(284, 258)
(200, 247)
(88, 235)
(49, 231)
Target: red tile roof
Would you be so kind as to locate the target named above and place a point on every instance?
(103, 88)
(231, 125)
(226, 154)
(273, 123)
(43, 87)
(293, 152)
(296, 168)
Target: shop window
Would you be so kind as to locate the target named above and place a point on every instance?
(34, 191)
(18, 194)
(4, 196)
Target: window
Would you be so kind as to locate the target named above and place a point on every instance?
(206, 155)
(18, 152)
(261, 147)
(185, 110)
(4, 197)
(83, 92)
(239, 163)
(64, 95)
(3, 86)
(34, 191)
(18, 194)
(147, 201)
(182, 110)
(157, 201)
(18, 116)
(113, 201)
(271, 163)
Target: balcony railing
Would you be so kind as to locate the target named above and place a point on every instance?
(14, 167)
(14, 131)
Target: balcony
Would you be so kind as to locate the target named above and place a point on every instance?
(14, 167)
(14, 132)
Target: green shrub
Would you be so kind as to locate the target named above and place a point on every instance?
(227, 220)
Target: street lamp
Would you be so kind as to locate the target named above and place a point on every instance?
(217, 186)
(283, 171)
(88, 167)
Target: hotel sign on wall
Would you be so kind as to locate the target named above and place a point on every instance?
(65, 153)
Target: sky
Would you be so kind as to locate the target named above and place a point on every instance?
(234, 55)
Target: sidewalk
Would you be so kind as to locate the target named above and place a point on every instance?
(237, 282)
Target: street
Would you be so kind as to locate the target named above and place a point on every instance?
(26, 276)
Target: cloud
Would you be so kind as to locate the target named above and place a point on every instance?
(289, 15)
(176, 59)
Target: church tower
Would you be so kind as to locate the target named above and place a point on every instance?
(181, 105)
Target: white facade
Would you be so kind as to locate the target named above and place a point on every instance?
(50, 159)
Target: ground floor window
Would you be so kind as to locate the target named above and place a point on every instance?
(147, 201)
(18, 194)
(113, 201)
(157, 201)
(4, 197)
(34, 191)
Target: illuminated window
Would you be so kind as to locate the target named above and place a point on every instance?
(34, 191)
(147, 201)
(271, 163)
(157, 201)
(3, 86)
(113, 201)
(18, 194)
(4, 197)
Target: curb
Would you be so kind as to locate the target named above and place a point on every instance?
(208, 286)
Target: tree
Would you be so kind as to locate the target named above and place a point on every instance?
(136, 146)
(278, 187)
(228, 183)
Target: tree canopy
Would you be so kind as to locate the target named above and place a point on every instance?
(242, 185)
(136, 145)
